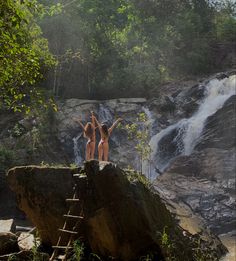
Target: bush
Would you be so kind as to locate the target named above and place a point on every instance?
(7, 159)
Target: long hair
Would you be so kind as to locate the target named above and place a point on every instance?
(105, 130)
(88, 130)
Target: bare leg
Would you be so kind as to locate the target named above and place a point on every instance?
(92, 150)
(105, 150)
(88, 151)
(100, 151)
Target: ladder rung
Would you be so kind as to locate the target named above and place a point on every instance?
(62, 247)
(71, 216)
(72, 199)
(79, 176)
(67, 231)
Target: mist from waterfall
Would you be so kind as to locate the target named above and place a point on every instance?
(186, 134)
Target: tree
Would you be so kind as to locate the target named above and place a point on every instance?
(139, 132)
(130, 47)
(24, 54)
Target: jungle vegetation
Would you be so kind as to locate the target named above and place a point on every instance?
(108, 49)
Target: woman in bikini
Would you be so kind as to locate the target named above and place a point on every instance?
(89, 133)
(105, 132)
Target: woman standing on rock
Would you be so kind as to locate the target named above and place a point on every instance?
(89, 133)
(105, 132)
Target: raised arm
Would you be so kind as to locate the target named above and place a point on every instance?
(93, 120)
(97, 122)
(80, 123)
(114, 125)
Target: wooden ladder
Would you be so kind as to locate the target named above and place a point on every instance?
(70, 227)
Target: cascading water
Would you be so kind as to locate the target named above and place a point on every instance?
(150, 119)
(104, 114)
(182, 137)
(217, 92)
(76, 148)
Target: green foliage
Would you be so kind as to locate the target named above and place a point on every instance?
(24, 54)
(140, 133)
(116, 49)
(7, 159)
(167, 246)
(12, 258)
(78, 249)
(17, 131)
(131, 47)
(134, 176)
(200, 252)
(148, 257)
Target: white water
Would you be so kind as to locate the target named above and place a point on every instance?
(104, 114)
(150, 118)
(189, 130)
(156, 163)
(217, 92)
(78, 158)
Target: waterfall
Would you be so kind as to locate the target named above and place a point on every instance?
(182, 137)
(104, 114)
(161, 155)
(77, 152)
(150, 118)
(217, 92)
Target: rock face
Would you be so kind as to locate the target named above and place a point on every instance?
(123, 218)
(41, 192)
(70, 133)
(205, 180)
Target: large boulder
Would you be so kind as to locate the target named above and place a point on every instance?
(123, 217)
(41, 193)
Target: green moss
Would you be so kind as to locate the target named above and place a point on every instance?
(134, 176)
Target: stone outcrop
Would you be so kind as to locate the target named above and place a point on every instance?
(41, 194)
(205, 180)
(123, 217)
(70, 132)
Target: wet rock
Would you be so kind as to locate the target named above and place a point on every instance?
(220, 128)
(212, 193)
(70, 133)
(209, 171)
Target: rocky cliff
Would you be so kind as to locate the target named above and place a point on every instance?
(123, 217)
(193, 143)
(205, 180)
